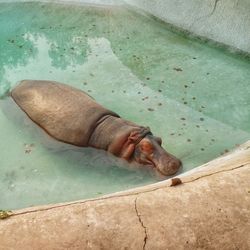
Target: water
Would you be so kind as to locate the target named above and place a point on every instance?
(195, 96)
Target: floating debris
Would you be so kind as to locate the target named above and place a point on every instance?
(28, 147)
(177, 69)
(150, 109)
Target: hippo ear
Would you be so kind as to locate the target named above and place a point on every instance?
(129, 146)
(158, 139)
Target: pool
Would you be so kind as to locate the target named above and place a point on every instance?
(194, 95)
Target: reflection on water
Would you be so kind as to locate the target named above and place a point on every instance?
(132, 65)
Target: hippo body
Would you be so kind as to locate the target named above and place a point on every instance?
(72, 116)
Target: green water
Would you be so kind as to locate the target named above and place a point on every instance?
(196, 97)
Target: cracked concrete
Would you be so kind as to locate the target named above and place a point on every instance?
(214, 8)
(210, 209)
(142, 224)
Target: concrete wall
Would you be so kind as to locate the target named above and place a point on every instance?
(224, 21)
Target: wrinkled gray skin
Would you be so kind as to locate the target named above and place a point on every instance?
(71, 116)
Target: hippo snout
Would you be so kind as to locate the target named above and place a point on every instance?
(169, 167)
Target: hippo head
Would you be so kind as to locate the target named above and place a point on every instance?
(150, 152)
(141, 146)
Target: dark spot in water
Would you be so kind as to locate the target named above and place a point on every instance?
(206, 130)
(194, 98)
(194, 58)
(89, 90)
(177, 69)
(159, 90)
(208, 73)
(162, 81)
(159, 104)
(198, 126)
(202, 149)
(212, 139)
(138, 92)
(85, 83)
(150, 109)
(172, 134)
(201, 119)
(124, 91)
(184, 124)
(72, 48)
(112, 91)
(179, 134)
(193, 82)
(185, 103)
(183, 118)
(127, 37)
(148, 78)
(20, 46)
(202, 107)
(145, 98)
(226, 150)
(189, 140)
(186, 86)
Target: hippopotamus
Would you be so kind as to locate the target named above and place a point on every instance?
(72, 116)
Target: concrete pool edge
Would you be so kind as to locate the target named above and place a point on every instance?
(209, 20)
(219, 190)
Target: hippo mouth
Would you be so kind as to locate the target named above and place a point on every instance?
(152, 165)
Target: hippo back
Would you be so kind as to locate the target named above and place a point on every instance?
(66, 113)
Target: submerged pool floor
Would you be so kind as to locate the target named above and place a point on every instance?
(195, 96)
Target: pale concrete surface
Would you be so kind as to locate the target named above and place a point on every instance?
(210, 210)
(224, 21)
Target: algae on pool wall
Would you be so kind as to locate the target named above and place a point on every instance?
(194, 96)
